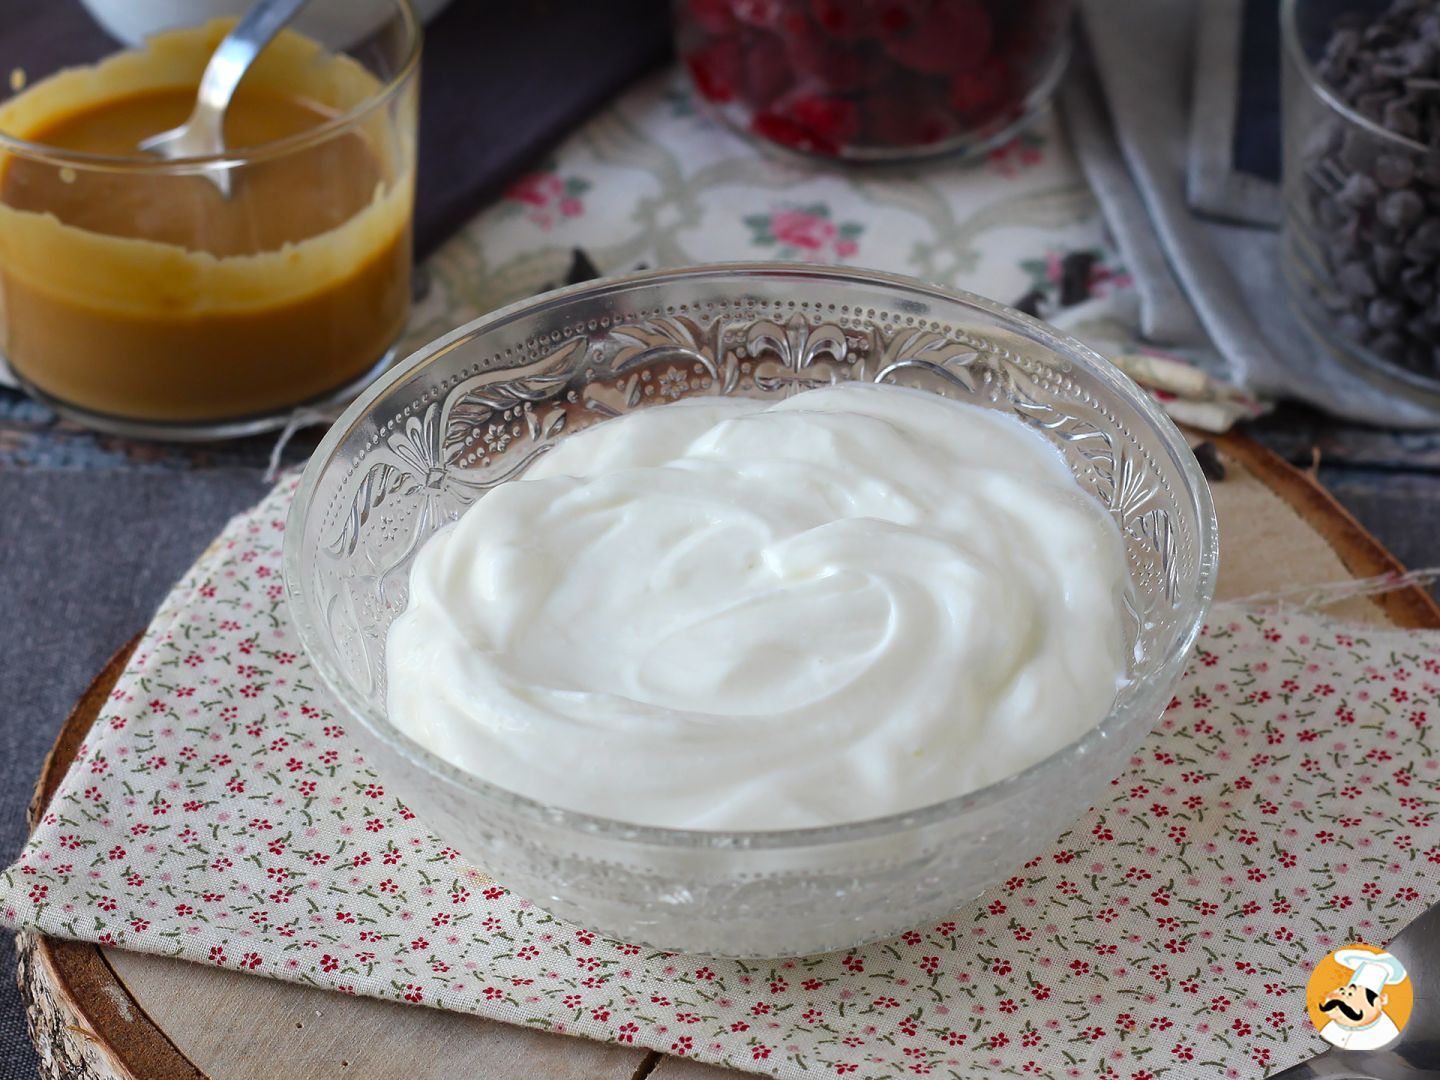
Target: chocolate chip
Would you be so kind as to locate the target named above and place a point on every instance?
(1394, 170)
(1358, 191)
(1357, 152)
(1418, 327)
(581, 268)
(1353, 235)
(1358, 85)
(1385, 314)
(1427, 235)
(1372, 105)
(1388, 263)
(1390, 69)
(1400, 117)
(1389, 345)
(1415, 251)
(1417, 285)
(1401, 209)
(1075, 277)
(1030, 303)
(1356, 279)
(1209, 461)
(1342, 47)
(1416, 56)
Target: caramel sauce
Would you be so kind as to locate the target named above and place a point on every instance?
(149, 295)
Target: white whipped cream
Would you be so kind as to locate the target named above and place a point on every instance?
(730, 614)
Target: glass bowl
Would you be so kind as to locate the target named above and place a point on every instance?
(471, 410)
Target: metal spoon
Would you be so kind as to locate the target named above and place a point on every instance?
(203, 134)
(1415, 1055)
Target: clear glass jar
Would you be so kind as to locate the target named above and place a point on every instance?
(137, 298)
(1361, 241)
(875, 80)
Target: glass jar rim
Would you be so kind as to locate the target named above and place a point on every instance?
(149, 164)
(1290, 37)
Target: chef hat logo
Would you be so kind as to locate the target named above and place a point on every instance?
(1360, 997)
(1373, 971)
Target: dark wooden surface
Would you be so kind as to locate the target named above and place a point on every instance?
(1389, 480)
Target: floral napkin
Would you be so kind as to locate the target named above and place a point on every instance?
(652, 180)
(1284, 804)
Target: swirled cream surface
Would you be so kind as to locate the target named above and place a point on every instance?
(730, 614)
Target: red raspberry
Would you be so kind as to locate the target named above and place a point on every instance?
(765, 72)
(715, 67)
(846, 20)
(833, 64)
(948, 37)
(762, 13)
(983, 93)
(712, 16)
(749, 68)
(900, 16)
(812, 122)
(896, 118)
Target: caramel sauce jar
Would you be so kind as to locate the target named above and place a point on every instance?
(136, 298)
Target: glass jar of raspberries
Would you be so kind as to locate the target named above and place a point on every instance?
(875, 80)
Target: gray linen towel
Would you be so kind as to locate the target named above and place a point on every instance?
(1144, 53)
(1165, 314)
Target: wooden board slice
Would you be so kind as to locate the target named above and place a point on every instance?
(103, 1013)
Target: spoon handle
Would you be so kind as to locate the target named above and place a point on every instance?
(233, 56)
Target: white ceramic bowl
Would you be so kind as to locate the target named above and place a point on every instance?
(132, 21)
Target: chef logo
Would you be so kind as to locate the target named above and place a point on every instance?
(1359, 998)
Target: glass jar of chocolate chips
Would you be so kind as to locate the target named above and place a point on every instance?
(1362, 180)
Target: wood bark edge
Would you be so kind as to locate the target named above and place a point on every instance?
(1411, 607)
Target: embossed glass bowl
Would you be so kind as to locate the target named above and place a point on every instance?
(471, 410)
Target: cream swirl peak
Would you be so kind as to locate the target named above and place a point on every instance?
(734, 614)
